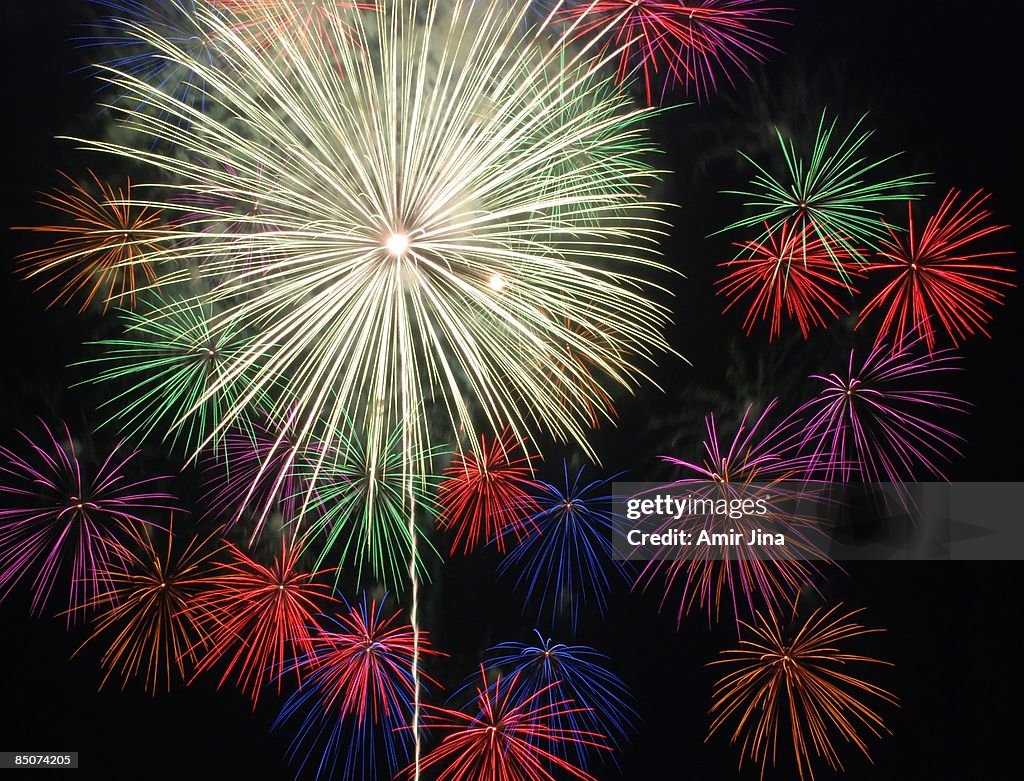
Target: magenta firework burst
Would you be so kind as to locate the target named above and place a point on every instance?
(257, 471)
(874, 422)
(62, 518)
(760, 462)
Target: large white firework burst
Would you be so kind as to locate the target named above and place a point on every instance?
(446, 214)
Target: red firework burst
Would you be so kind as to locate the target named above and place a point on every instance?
(360, 693)
(676, 43)
(365, 664)
(938, 276)
(147, 609)
(268, 22)
(509, 734)
(485, 495)
(790, 271)
(97, 249)
(260, 617)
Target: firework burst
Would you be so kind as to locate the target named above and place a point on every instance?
(260, 617)
(59, 513)
(363, 508)
(258, 473)
(557, 671)
(835, 192)
(871, 422)
(427, 243)
(486, 496)
(181, 24)
(147, 611)
(168, 358)
(669, 44)
(789, 273)
(937, 277)
(564, 559)
(356, 696)
(508, 734)
(99, 249)
(320, 22)
(760, 461)
(802, 678)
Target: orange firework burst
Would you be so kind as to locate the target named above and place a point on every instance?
(801, 678)
(589, 355)
(147, 607)
(98, 252)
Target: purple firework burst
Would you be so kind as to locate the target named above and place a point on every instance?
(872, 422)
(761, 462)
(258, 471)
(59, 513)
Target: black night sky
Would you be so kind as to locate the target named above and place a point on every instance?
(938, 81)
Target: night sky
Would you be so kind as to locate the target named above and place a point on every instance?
(938, 81)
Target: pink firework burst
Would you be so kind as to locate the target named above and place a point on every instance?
(510, 733)
(61, 517)
(760, 462)
(938, 275)
(261, 616)
(693, 45)
(487, 494)
(873, 421)
(791, 273)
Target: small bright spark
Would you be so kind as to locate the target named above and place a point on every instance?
(397, 244)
